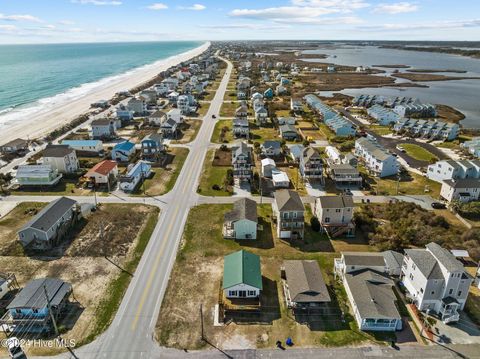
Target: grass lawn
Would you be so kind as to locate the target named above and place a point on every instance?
(296, 180)
(264, 133)
(453, 145)
(327, 132)
(189, 131)
(212, 175)
(66, 187)
(419, 153)
(99, 285)
(380, 130)
(283, 113)
(410, 184)
(230, 95)
(201, 252)
(209, 95)
(228, 109)
(164, 179)
(218, 130)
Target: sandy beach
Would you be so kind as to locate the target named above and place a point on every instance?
(43, 122)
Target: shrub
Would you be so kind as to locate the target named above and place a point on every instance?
(216, 187)
(315, 224)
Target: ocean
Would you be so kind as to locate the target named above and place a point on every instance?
(33, 77)
(459, 94)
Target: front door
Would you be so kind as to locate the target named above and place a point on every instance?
(242, 293)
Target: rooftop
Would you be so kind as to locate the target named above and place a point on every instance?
(305, 281)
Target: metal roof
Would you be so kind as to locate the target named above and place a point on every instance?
(242, 267)
(33, 294)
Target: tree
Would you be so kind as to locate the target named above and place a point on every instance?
(315, 224)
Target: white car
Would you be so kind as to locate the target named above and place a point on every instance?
(400, 148)
(14, 349)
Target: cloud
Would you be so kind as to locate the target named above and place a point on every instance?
(157, 6)
(98, 2)
(26, 17)
(8, 28)
(194, 7)
(66, 22)
(305, 12)
(245, 27)
(461, 24)
(397, 8)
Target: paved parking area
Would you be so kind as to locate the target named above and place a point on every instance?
(463, 332)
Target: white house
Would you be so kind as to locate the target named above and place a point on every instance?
(137, 106)
(135, 175)
(333, 155)
(378, 160)
(268, 165)
(335, 214)
(242, 275)
(175, 115)
(436, 281)
(280, 179)
(104, 128)
(91, 146)
(103, 172)
(384, 116)
(62, 158)
(463, 190)
(453, 170)
(241, 222)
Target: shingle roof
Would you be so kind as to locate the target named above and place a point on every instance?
(103, 168)
(373, 294)
(288, 200)
(425, 262)
(57, 151)
(344, 169)
(50, 214)
(242, 267)
(445, 257)
(336, 201)
(305, 281)
(309, 153)
(364, 259)
(244, 208)
(33, 294)
(102, 122)
(272, 144)
(393, 259)
(463, 183)
(16, 142)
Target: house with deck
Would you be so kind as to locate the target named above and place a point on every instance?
(135, 175)
(463, 190)
(378, 161)
(241, 128)
(344, 175)
(123, 151)
(16, 146)
(271, 148)
(242, 161)
(453, 170)
(123, 113)
(304, 286)
(288, 132)
(152, 147)
(104, 128)
(436, 281)
(51, 225)
(241, 222)
(289, 213)
(383, 116)
(37, 175)
(29, 311)
(103, 173)
(335, 214)
(138, 106)
(311, 165)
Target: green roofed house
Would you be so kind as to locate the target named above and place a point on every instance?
(242, 277)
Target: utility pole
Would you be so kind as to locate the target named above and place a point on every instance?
(50, 310)
(95, 191)
(201, 322)
(260, 187)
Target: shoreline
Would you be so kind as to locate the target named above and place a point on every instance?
(42, 122)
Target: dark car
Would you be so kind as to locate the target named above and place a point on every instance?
(438, 205)
(213, 116)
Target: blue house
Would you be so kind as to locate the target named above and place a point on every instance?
(268, 93)
(384, 116)
(340, 126)
(152, 146)
(122, 151)
(29, 310)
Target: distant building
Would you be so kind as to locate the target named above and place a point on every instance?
(384, 116)
(92, 147)
(104, 128)
(463, 190)
(453, 170)
(37, 175)
(16, 146)
(377, 160)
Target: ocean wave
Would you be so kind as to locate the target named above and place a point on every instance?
(14, 114)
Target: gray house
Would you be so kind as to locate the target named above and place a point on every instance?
(288, 132)
(49, 226)
(241, 223)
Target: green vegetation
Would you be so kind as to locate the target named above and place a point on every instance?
(214, 180)
(470, 210)
(419, 153)
(402, 225)
(222, 132)
(381, 130)
(202, 251)
(108, 306)
(228, 109)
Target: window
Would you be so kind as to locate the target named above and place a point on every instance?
(421, 290)
(432, 292)
(35, 310)
(450, 292)
(251, 293)
(459, 293)
(414, 266)
(327, 219)
(411, 276)
(337, 210)
(18, 311)
(232, 293)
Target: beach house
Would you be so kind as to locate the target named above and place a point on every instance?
(138, 106)
(268, 165)
(51, 225)
(288, 132)
(157, 117)
(85, 147)
(241, 128)
(103, 173)
(105, 128)
(242, 275)
(384, 116)
(152, 147)
(463, 190)
(37, 175)
(135, 175)
(344, 175)
(241, 222)
(271, 148)
(124, 113)
(123, 151)
(31, 312)
(378, 161)
(242, 161)
(289, 214)
(453, 170)
(62, 158)
(311, 165)
(16, 146)
(436, 281)
(335, 214)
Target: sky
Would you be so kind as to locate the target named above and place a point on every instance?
(57, 21)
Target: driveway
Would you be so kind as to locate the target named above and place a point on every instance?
(463, 332)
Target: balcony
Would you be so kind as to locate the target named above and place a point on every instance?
(228, 231)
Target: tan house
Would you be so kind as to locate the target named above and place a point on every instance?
(335, 214)
(289, 213)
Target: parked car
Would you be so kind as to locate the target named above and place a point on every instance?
(213, 116)
(400, 148)
(438, 205)
(14, 349)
